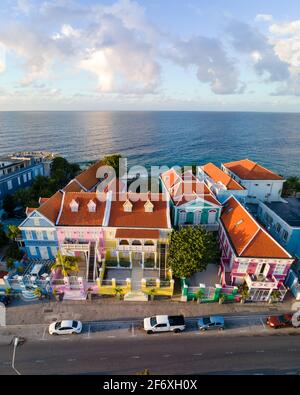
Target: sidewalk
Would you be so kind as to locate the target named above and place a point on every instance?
(112, 309)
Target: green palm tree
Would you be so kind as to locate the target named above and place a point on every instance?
(67, 264)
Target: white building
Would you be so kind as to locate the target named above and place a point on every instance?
(262, 184)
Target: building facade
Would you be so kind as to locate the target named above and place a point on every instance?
(250, 256)
(19, 170)
(262, 184)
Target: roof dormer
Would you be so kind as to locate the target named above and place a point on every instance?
(74, 205)
(148, 207)
(91, 206)
(128, 206)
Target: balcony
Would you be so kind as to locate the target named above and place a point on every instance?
(261, 281)
(137, 248)
(75, 245)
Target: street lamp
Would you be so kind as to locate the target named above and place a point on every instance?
(16, 342)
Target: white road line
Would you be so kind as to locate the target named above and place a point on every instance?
(39, 361)
(167, 356)
(260, 351)
(71, 359)
(136, 357)
(44, 334)
(263, 324)
(229, 352)
(111, 336)
(198, 354)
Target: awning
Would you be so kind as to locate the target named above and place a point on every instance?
(137, 234)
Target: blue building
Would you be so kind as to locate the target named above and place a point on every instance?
(19, 170)
(282, 220)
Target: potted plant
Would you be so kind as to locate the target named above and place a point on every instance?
(199, 295)
(152, 293)
(275, 296)
(244, 294)
(222, 299)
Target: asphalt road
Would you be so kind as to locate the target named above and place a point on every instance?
(161, 354)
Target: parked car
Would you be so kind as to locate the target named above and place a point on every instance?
(212, 322)
(65, 327)
(5, 300)
(280, 321)
(164, 323)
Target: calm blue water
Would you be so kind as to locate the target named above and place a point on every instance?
(157, 138)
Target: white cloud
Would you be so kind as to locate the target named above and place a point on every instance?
(2, 58)
(286, 28)
(263, 18)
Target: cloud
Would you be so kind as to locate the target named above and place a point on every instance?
(263, 18)
(248, 40)
(286, 28)
(2, 58)
(211, 61)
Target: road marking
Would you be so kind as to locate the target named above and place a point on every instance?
(260, 350)
(263, 324)
(198, 354)
(111, 336)
(136, 357)
(71, 359)
(229, 352)
(102, 358)
(44, 334)
(167, 356)
(39, 361)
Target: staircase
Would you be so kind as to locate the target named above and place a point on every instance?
(29, 296)
(136, 295)
(91, 263)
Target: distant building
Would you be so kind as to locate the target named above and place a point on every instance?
(221, 184)
(250, 254)
(19, 170)
(262, 184)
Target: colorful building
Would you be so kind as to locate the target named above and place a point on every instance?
(282, 220)
(19, 170)
(250, 255)
(220, 183)
(262, 184)
(192, 203)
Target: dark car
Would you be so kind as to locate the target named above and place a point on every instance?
(5, 300)
(280, 321)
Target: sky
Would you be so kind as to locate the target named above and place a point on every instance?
(192, 55)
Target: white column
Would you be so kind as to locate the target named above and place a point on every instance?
(155, 259)
(118, 258)
(143, 258)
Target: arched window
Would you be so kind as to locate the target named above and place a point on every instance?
(136, 243)
(149, 243)
(123, 243)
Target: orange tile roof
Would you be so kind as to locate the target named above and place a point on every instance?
(51, 207)
(187, 188)
(42, 200)
(248, 170)
(218, 175)
(88, 177)
(83, 217)
(73, 186)
(138, 217)
(29, 210)
(137, 234)
(247, 237)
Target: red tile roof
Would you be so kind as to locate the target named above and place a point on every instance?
(247, 237)
(73, 186)
(187, 188)
(218, 175)
(248, 170)
(138, 218)
(88, 177)
(51, 207)
(137, 234)
(83, 217)
(42, 200)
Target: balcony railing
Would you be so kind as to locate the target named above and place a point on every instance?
(263, 282)
(137, 248)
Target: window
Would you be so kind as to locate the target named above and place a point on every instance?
(279, 269)
(39, 235)
(285, 235)
(25, 177)
(9, 185)
(278, 228)
(242, 268)
(19, 181)
(36, 221)
(32, 251)
(29, 176)
(28, 235)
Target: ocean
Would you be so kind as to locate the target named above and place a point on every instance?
(159, 138)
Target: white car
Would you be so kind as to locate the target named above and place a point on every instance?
(66, 327)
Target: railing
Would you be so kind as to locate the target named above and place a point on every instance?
(266, 282)
(76, 246)
(58, 282)
(137, 248)
(164, 284)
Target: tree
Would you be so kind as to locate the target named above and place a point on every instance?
(113, 161)
(13, 232)
(9, 205)
(291, 186)
(191, 250)
(14, 252)
(3, 237)
(67, 264)
(62, 171)
(10, 263)
(199, 295)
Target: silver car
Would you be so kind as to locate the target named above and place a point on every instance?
(212, 322)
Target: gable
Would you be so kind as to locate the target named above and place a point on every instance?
(31, 221)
